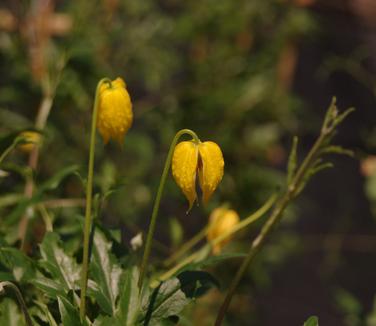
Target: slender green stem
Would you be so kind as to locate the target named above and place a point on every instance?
(149, 238)
(19, 298)
(187, 246)
(46, 217)
(12, 146)
(89, 194)
(273, 219)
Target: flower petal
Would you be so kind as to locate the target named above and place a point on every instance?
(184, 166)
(211, 169)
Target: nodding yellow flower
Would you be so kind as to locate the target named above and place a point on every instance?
(190, 157)
(115, 114)
(221, 220)
(31, 139)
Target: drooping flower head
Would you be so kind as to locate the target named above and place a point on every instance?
(221, 220)
(115, 114)
(191, 158)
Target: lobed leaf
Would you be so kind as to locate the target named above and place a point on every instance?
(105, 274)
(62, 268)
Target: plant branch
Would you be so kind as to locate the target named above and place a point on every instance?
(89, 195)
(298, 181)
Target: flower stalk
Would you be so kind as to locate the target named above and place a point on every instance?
(89, 195)
(310, 165)
(151, 230)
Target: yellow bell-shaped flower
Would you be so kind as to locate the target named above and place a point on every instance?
(115, 114)
(221, 221)
(190, 158)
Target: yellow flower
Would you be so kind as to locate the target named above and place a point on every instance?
(205, 158)
(31, 139)
(221, 221)
(115, 114)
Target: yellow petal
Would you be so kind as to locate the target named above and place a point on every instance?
(210, 169)
(115, 114)
(184, 166)
(221, 221)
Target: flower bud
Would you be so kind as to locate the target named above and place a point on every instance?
(221, 221)
(115, 114)
(30, 140)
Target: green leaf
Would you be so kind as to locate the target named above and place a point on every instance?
(54, 181)
(63, 269)
(104, 273)
(127, 307)
(312, 321)
(69, 314)
(338, 150)
(106, 320)
(42, 312)
(16, 262)
(171, 296)
(48, 286)
(10, 314)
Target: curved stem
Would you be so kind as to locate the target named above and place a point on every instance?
(149, 238)
(89, 195)
(19, 298)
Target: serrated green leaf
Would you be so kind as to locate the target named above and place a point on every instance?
(171, 296)
(312, 321)
(48, 286)
(105, 274)
(10, 314)
(16, 262)
(127, 307)
(69, 313)
(62, 268)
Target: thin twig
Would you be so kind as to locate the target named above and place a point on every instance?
(19, 298)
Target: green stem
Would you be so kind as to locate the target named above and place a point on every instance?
(12, 146)
(19, 298)
(89, 194)
(273, 219)
(244, 223)
(149, 238)
(187, 246)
